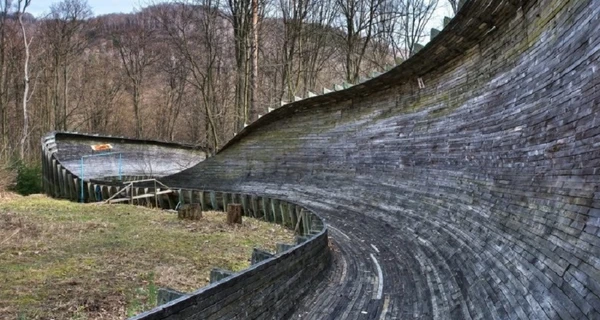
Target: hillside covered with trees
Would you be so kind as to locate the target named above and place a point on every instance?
(194, 71)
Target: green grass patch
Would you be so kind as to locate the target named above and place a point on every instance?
(64, 260)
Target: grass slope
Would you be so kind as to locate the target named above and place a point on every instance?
(63, 260)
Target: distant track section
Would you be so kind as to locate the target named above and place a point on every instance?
(68, 158)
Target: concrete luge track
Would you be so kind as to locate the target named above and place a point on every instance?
(475, 197)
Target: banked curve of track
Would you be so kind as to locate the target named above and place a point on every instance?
(476, 197)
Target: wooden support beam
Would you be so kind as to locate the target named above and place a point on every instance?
(292, 214)
(265, 208)
(259, 255)
(245, 206)
(254, 206)
(55, 179)
(161, 203)
(213, 200)
(72, 194)
(275, 210)
(90, 195)
(189, 197)
(225, 200)
(202, 196)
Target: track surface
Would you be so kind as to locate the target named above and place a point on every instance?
(130, 157)
(476, 197)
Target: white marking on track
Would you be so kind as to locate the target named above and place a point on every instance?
(380, 277)
(386, 305)
(375, 248)
(344, 270)
(338, 231)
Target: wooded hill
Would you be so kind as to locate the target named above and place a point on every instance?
(184, 71)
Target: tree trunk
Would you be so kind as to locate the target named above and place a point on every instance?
(136, 110)
(253, 114)
(65, 96)
(26, 89)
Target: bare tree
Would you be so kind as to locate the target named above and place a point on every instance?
(4, 95)
(135, 47)
(21, 9)
(196, 30)
(240, 13)
(358, 18)
(176, 79)
(454, 5)
(320, 47)
(252, 114)
(416, 15)
(101, 80)
(62, 32)
(293, 13)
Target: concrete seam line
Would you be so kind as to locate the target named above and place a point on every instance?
(380, 276)
(338, 231)
(374, 248)
(386, 305)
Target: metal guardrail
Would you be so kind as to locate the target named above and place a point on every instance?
(128, 190)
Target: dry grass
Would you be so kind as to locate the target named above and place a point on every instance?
(8, 196)
(63, 260)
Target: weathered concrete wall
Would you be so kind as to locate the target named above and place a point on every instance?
(480, 191)
(271, 289)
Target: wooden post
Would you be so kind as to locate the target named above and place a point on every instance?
(292, 213)
(131, 193)
(155, 195)
(90, 189)
(234, 213)
(148, 201)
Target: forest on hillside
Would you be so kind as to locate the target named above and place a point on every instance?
(194, 71)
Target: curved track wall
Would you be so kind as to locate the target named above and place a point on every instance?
(473, 198)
